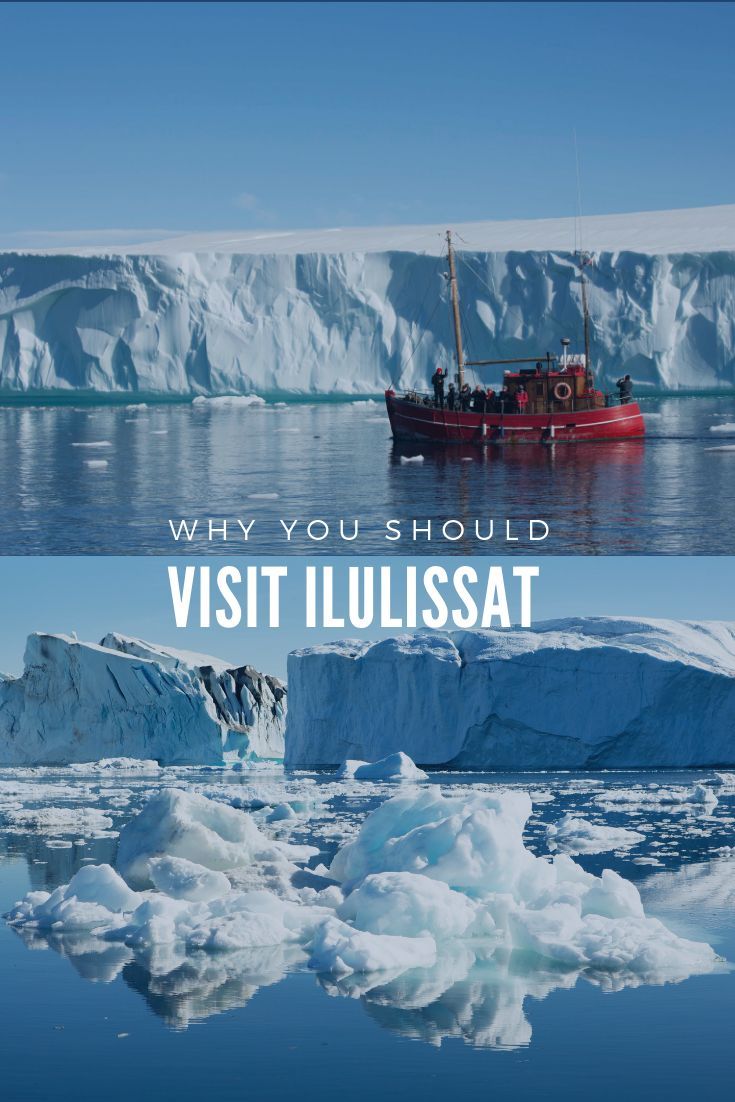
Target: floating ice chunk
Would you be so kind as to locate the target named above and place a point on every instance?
(96, 896)
(575, 835)
(159, 432)
(722, 448)
(114, 765)
(229, 401)
(424, 871)
(396, 767)
(91, 444)
(136, 406)
(57, 820)
(281, 813)
(181, 824)
(262, 497)
(412, 459)
(341, 949)
(97, 464)
(728, 426)
(681, 799)
(182, 879)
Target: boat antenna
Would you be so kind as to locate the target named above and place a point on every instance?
(584, 260)
(455, 311)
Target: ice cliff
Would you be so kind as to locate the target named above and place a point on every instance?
(79, 702)
(576, 693)
(342, 310)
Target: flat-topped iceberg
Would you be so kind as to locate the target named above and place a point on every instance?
(339, 310)
(576, 693)
(125, 698)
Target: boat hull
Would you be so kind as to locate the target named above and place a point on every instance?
(412, 421)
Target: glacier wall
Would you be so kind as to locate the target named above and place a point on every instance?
(79, 702)
(570, 694)
(348, 322)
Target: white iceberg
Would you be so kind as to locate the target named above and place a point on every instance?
(125, 698)
(395, 767)
(596, 692)
(336, 310)
(428, 880)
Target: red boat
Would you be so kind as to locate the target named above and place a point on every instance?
(553, 400)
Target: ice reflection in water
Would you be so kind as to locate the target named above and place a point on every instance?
(472, 993)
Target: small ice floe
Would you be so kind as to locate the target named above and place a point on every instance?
(135, 406)
(396, 767)
(159, 432)
(115, 765)
(96, 464)
(729, 426)
(573, 835)
(412, 459)
(91, 444)
(280, 432)
(722, 448)
(262, 497)
(229, 401)
(679, 799)
(56, 820)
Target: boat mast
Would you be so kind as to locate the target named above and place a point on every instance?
(585, 311)
(455, 312)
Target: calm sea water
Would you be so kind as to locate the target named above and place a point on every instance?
(83, 1024)
(106, 479)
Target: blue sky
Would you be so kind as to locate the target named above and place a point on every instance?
(207, 116)
(131, 595)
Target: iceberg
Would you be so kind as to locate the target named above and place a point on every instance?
(584, 693)
(396, 767)
(126, 698)
(427, 879)
(341, 310)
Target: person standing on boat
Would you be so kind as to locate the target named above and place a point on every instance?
(478, 400)
(522, 399)
(451, 397)
(625, 389)
(489, 400)
(437, 380)
(465, 397)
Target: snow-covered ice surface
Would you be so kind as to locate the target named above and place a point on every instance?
(439, 906)
(600, 692)
(124, 697)
(335, 310)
